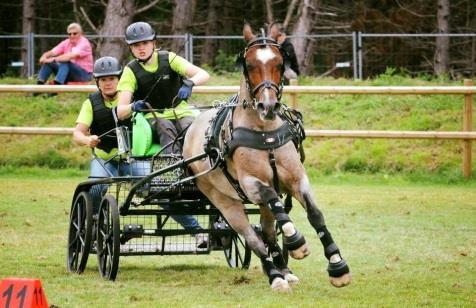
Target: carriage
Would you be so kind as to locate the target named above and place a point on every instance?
(135, 213)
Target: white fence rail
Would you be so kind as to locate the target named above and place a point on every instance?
(466, 135)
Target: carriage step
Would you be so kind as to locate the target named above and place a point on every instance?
(131, 231)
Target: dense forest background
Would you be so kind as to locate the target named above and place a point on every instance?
(455, 56)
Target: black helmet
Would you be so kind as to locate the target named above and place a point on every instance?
(139, 32)
(107, 66)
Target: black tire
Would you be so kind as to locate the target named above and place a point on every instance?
(108, 237)
(80, 233)
(237, 252)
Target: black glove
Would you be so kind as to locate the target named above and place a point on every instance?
(186, 90)
(138, 105)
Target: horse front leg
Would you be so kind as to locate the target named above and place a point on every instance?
(339, 273)
(236, 217)
(292, 238)
(267, 222)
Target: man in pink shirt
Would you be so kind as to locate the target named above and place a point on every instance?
(70, 60)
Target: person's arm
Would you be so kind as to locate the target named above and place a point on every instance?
(66, 56)
(124, 106)
(196, 74)
(47, 57)
(81, 136)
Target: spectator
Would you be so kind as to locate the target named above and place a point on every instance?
(70, 60)
(164, 80)
(292, 70)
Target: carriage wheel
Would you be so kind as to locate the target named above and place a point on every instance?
(80, 233)
(237, 252)
(108, 236)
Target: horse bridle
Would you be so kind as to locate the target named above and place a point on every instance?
(265, 84)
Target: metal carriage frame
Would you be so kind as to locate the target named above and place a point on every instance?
(135, 218)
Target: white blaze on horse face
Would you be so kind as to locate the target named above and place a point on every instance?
(264, 55)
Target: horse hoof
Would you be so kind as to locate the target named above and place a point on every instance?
(300, 253)
(280, 285)
(341, 281)
(291, 279)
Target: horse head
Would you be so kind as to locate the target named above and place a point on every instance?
(263, 68)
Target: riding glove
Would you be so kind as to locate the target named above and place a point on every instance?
(186, 90)
(138, 106)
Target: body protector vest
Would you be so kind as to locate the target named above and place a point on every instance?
(158, 88)
(103, 121)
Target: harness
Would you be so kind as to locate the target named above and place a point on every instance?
(222, 139)
(160, 87)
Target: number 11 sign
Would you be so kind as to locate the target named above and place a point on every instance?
(22, 293)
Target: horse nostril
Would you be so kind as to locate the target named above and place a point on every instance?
(277, 107)
(260, 106)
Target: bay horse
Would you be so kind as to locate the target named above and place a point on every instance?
(260, 161)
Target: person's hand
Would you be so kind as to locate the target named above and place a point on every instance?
(186, 90)
(92, 141)
(138, 105)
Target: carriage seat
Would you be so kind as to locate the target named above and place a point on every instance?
(142, 144)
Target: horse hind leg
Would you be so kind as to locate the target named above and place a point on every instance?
(292, 238)
(274, 251)
(339, 272)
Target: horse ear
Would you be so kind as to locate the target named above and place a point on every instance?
(248, 32)
(273, 31)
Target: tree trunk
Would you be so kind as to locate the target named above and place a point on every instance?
(119, 15)
(269, 11)
(182, 22)
(210, 46)
(28, 24)
(304, 47)
(442, 57)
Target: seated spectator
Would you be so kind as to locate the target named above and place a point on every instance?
(292, 70)
(70, 60)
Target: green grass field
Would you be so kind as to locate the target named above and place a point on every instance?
(407, 243)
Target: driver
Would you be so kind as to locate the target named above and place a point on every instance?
(95, 119)
(162, 79)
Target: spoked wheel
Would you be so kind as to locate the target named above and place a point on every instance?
(80, 233)
(237, 252)
(108, 236)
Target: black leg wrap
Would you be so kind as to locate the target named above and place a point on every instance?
(330, 247)
(277, 254)
(270, 270)
(338, 269)
(294, 241)
(330, 250)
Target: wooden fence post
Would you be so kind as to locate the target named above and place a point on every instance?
(467, 126)
(293, 82)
